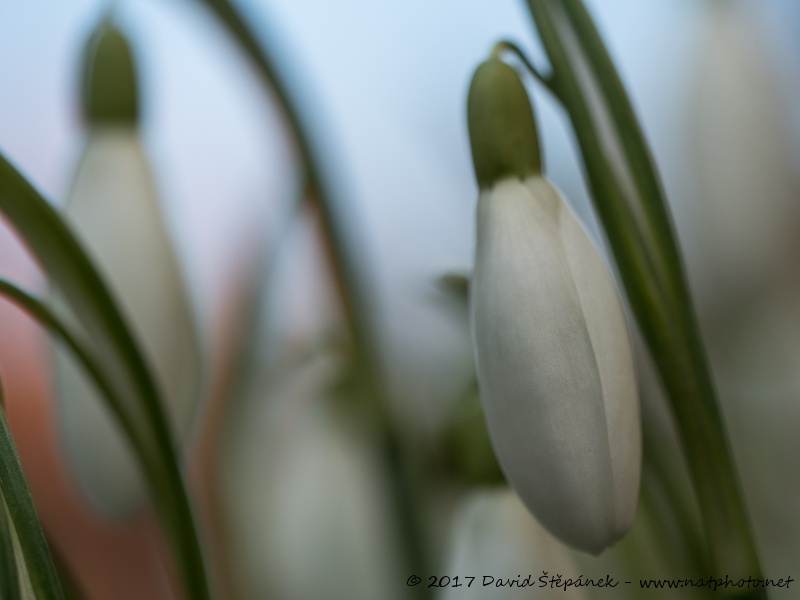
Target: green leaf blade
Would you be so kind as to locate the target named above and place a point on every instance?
(9, 578)
(22, 517)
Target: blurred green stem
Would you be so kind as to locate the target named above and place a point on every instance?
(352, 293)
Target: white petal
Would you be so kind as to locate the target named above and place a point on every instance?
(608, 331)
(539, 377)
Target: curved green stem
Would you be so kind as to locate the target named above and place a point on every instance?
(508, 46)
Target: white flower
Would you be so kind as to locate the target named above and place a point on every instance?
(114, 211)
(555, 365)
(552, 348)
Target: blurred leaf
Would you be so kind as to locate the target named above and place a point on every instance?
(630, 202)
(47, 319)
(456, 286)
(22, 520)
(135, 399)
(469, 455)
(337, 230)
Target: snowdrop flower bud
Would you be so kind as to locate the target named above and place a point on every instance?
(114, 211)
(552, 348)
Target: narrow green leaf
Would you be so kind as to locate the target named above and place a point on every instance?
(25, 523)
(47, 319)
(118, 357)
(631, 205)
(26, 589)
(9, 580)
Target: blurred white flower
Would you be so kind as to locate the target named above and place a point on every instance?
(493, 536)
(747, 215)
(552, 349)
(744, 267)
(114, 211)
(307, 502)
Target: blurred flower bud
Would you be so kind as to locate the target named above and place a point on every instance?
(114, 211)
(552, 348)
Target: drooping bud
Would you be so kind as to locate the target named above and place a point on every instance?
(110, 90)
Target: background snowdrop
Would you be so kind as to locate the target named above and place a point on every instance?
(493, 534)
(744, 244)
(114, 208)
(305, 496)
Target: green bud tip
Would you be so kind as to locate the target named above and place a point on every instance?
(502, 129)
(110, 93)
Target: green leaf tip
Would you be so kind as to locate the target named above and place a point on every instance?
(502, 129)
(110, 90)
